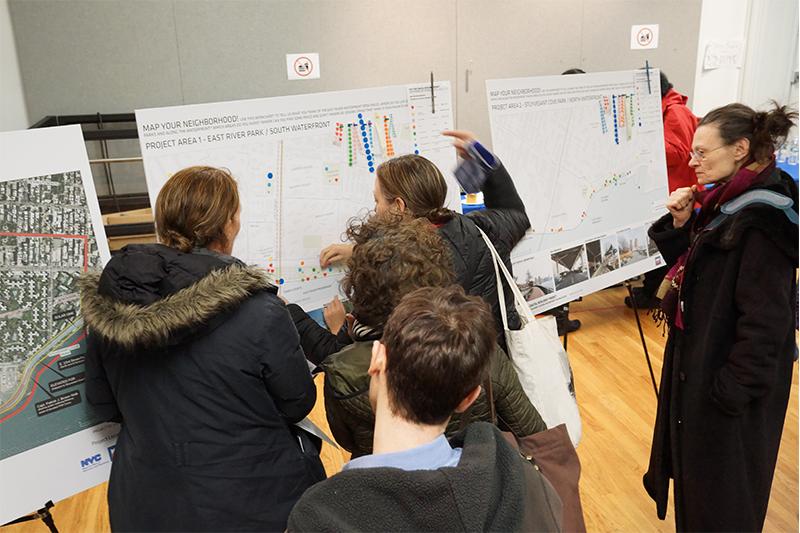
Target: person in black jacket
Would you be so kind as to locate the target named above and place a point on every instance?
(434, 353)
(197, 357)
(412, 184)
(730, 302)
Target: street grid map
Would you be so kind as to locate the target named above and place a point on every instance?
(46, 242)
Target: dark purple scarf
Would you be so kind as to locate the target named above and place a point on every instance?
(710, 202)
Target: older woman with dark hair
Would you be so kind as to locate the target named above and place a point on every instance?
(729, 301)
(197, 357)
(392, 256)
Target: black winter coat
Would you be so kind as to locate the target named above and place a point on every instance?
(726, 377)
(198, 357)
(505, 222)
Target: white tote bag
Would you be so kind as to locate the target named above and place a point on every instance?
(539, 358)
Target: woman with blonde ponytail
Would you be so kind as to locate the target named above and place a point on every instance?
(730, 304)
(195, 354)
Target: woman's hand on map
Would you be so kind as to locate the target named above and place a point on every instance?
(334, 314)
(461, 140)
(680, 204)
(335, 253)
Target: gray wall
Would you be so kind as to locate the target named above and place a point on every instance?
(516, 38)
(112, 56)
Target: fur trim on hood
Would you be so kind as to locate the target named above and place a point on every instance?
(129, 325)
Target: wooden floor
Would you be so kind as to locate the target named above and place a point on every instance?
(618, 408)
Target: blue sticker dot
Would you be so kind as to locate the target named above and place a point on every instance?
(269, 175)
(416, 152)
(366, 145)
(371, 169)
(280, 281)
(369, 157)
(360, 115)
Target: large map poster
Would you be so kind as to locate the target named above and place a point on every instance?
(305, 165)
(587, 156)
(52, 443)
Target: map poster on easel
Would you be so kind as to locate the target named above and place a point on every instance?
(586, 153)
(304, 164)
(53, 444)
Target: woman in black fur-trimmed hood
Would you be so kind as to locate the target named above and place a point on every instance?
(198, 358)
(730, 303)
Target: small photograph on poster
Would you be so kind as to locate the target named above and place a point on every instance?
(632, 245)
(652, 248)
(534, 276)
(570, 266)
(602, 255)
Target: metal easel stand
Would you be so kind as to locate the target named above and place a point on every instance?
(641, 336)
(43, 514)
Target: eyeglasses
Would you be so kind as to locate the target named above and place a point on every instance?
(701, 155)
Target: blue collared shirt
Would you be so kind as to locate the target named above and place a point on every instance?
(431, 456)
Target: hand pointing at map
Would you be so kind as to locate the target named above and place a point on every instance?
(335, 253)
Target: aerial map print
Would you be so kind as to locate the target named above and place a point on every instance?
(46, 242)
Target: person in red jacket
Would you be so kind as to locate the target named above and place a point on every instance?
(679, 126)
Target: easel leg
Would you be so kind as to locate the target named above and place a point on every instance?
(43, 514)
(641, 336)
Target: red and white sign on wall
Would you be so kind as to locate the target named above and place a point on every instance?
(302, 66)
(644, 37)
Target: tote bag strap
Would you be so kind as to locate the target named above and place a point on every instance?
(521, 303)
(501, 297)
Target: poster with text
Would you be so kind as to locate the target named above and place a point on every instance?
(586, 153)
(305, 165)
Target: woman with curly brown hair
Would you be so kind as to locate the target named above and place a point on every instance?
(392, 256)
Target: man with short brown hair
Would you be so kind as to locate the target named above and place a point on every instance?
(430, 362)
